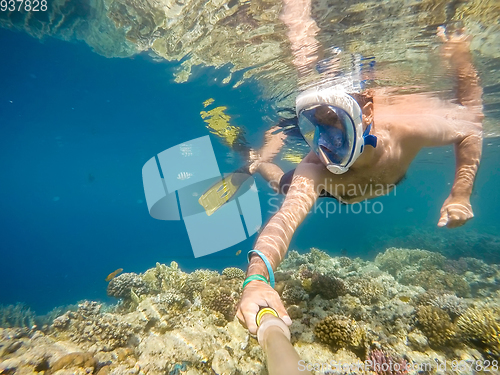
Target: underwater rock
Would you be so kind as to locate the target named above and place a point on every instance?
(418, 341)
(123, 285)
(61, 322)
(89, 326)
(192, 288)
(436, 279)
(83, 360)
(222, 363)
(294, 312)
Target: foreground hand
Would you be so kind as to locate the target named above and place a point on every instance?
(455, 212)
(258, 294)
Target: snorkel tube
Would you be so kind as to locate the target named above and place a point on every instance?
(274, 338)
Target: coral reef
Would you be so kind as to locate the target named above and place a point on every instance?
(125, 285)
(18, 315)
(89, 326)
(220, 300)
(383, 363)
(368, 291)
(328, 287)
(481, 327)
(233, 273)
(293, 293)
(436, 325)
(340, 331)
(343, 310)
(453, 305)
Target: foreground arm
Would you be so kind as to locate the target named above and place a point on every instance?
(273, 242)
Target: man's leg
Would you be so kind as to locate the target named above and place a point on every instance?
(274, 140)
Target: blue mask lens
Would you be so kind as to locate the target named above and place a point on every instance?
(333, 141)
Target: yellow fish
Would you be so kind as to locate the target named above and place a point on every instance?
(113, 274)
(238, 252)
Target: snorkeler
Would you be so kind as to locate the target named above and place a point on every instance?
(362, 140)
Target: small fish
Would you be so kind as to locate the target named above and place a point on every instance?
(404, 299)
(238, 252)
(343, 252)
(113, 274)
(409, 209)
(184, 176)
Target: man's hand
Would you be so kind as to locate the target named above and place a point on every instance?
(455, 212)
(258, 294)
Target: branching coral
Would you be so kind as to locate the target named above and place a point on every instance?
(233, 273)
(481, 326)
(436, 325)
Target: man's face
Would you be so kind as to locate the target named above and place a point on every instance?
(326, 116)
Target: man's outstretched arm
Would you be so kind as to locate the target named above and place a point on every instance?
(458, 123)
(273, 242)
(457, 209)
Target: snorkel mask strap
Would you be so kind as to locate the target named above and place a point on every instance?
(369, 139)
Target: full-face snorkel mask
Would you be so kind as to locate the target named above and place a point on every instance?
(330, 121)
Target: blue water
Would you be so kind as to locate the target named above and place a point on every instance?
(76, 129)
